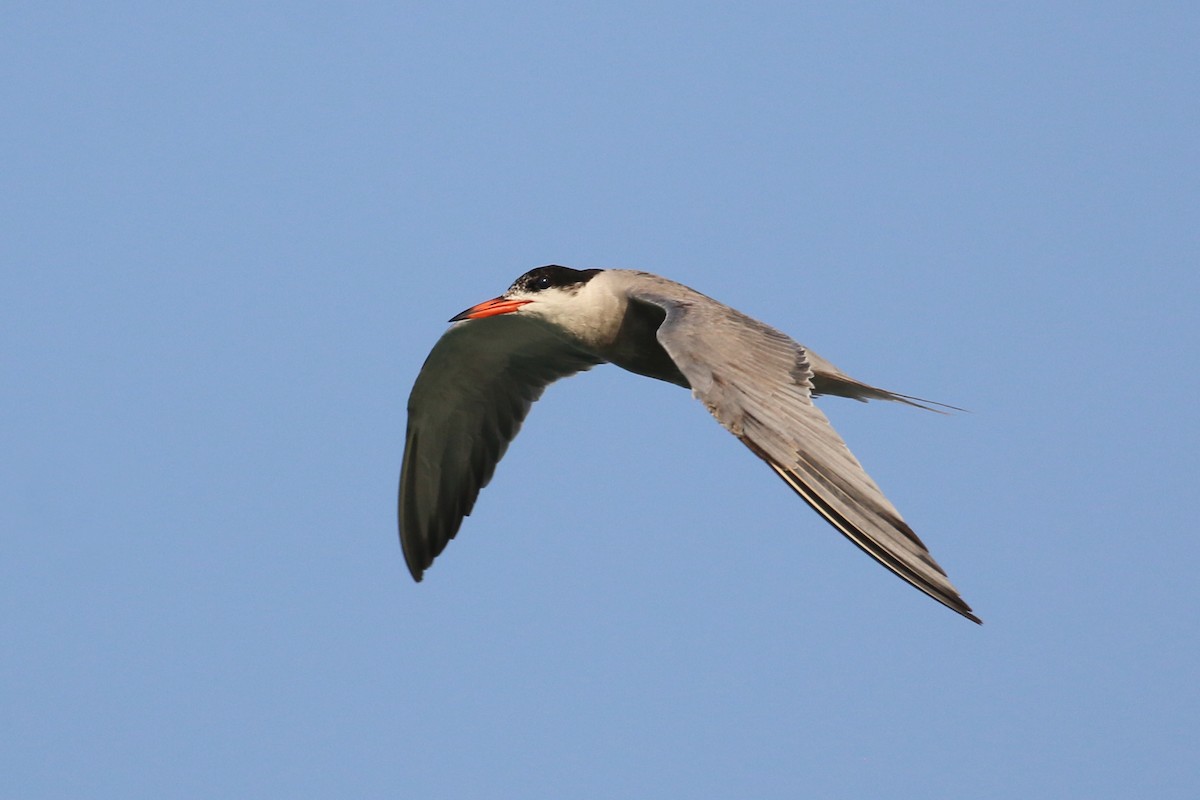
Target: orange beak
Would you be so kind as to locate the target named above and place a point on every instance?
(490, 308)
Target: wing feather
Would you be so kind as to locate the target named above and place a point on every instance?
(759, 385)
(467, 404)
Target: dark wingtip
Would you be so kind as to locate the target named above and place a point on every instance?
(412, 560)
(416, 571)
(955, 603)
(965, 610)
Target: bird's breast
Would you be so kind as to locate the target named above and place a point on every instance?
(634, 345)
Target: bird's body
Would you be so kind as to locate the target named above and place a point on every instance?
(484, 374)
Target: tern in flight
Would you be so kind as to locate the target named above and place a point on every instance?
(483, 375)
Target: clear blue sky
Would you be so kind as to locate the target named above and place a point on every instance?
(230, 233)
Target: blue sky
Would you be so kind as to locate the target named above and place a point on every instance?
(231, 233)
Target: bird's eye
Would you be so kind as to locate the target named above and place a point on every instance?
(541, 282)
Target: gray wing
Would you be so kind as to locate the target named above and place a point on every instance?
(758, 383)
(467, 404)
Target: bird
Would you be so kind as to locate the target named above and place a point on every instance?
(497, 357)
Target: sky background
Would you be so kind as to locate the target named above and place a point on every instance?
(230, 233)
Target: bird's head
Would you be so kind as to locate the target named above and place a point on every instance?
(546, 292)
